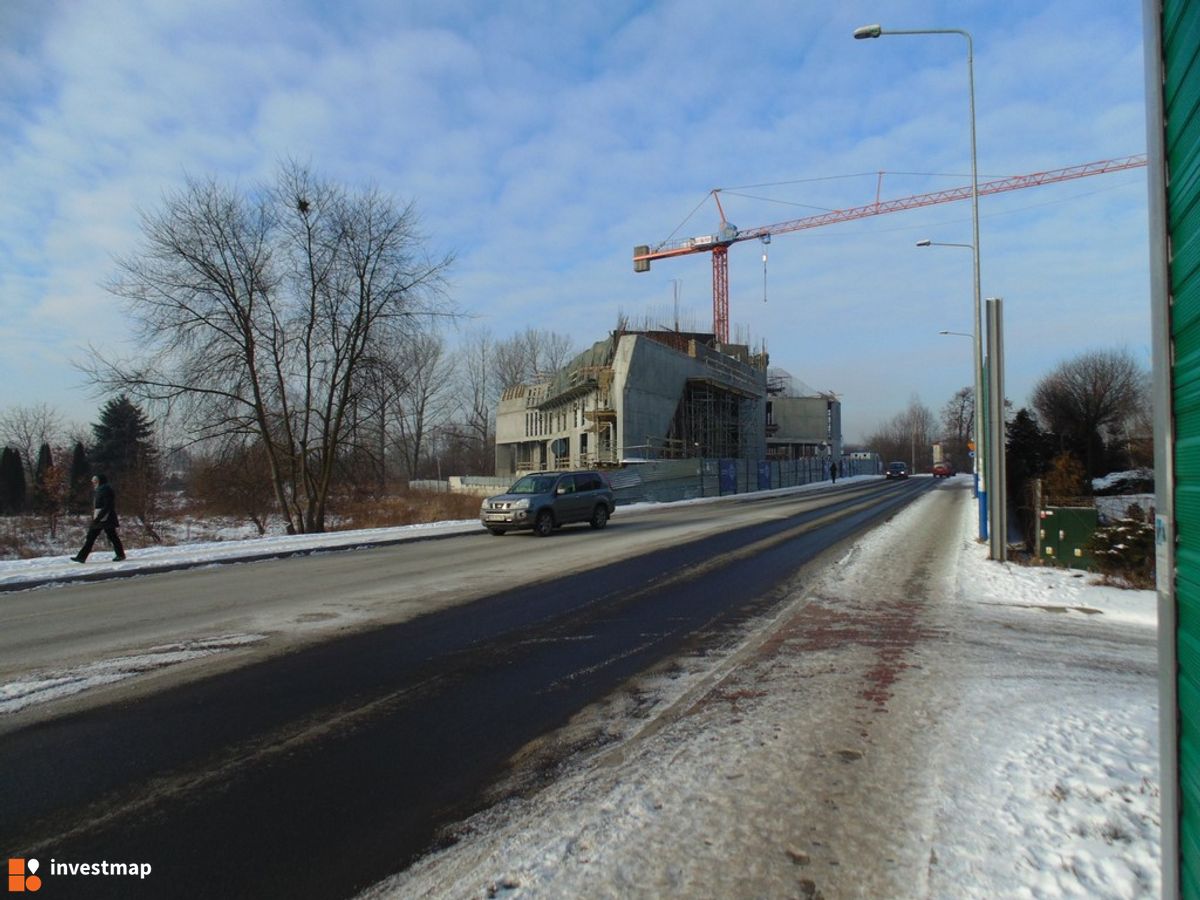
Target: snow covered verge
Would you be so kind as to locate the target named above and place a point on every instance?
(1011, 752)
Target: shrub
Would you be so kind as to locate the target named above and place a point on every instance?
(1124, 552)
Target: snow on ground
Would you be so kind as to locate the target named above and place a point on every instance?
(43, 687)
(1044, 759)
(1052, 776)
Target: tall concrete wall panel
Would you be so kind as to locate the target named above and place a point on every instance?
(650, 379)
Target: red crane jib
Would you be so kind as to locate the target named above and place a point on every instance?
(718, 244)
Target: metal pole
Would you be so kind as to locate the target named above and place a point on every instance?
(981, 457)
(1164, 454)
(998, 508)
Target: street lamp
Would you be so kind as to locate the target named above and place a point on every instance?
(960, 333)
(977, 430)
(874, 31)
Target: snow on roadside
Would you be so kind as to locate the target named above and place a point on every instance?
(42, 687)
(18, 573)
(1051, 762)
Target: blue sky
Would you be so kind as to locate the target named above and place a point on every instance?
(542, 141)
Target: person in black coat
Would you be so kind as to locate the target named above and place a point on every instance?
(104, 509)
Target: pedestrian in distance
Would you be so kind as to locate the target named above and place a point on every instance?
(104, 518)
(833, 472)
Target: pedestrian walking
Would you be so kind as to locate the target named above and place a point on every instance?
(104, 518)
(833, 472)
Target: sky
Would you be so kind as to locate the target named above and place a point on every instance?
(540, 142)
(1036, 695)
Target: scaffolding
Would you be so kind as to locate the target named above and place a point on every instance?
(713, 420)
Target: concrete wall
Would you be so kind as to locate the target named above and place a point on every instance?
(801, 419)
(808, 420)
(649, 380)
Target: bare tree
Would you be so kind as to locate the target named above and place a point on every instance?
(907, 436)
(27, 428)
(262, 312)
(510, 364)
(478, 395)
(547, 351)
(958, 423)
(529, 356)
(1087, 401)
(425, 400)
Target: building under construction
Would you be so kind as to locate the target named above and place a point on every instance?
(638, 396)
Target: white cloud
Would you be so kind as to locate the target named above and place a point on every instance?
(542, 142)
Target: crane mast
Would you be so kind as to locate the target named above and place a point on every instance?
(727, 235)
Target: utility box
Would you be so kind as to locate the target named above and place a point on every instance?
(1064, 533)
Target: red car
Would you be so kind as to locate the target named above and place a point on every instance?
(942, 470)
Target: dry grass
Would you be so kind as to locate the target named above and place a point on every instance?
(405, 509)
(28, 536)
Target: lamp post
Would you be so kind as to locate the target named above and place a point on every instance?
(981, 459)
(976, 417)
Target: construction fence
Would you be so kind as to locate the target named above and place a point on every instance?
(663, 481)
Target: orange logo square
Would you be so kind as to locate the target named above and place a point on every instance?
(18, 881)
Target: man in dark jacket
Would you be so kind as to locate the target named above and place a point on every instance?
(104, 509)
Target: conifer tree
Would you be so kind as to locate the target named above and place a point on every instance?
(124, 439)
(124, 450)
(80, 481)
(12, 482)
(41, 493)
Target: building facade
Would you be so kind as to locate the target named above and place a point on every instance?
(638, 396)
(800, 427)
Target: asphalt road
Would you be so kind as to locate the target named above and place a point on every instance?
(329, 762)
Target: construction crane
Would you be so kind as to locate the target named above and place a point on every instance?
(718, 244)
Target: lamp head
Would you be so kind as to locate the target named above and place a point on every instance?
(925, 243)
(868, 31)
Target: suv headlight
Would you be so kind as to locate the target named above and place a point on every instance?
(521, 504)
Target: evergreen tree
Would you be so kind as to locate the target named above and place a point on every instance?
(124, 450)
(124, 439)
(12, 482)
(41, 493)
(1028, 454)
(80, 497)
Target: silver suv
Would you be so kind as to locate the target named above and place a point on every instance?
(544, 501)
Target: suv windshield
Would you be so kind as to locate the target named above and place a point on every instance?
(533, 484)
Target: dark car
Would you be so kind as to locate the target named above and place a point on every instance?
(897, 470)
(544, 501)
(942, 470)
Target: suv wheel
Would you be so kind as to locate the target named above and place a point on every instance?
(544, 523)
(599, 516)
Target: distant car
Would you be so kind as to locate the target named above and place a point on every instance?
(897, 470)
(544, 501)
(942, 470)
